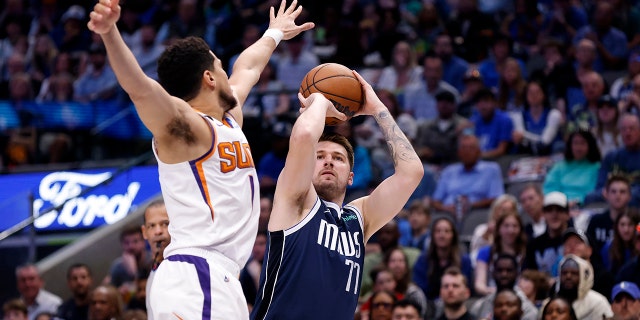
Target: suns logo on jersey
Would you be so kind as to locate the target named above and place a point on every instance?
(331, 238)
(234, 155)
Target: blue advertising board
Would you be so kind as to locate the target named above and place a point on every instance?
(105, 204)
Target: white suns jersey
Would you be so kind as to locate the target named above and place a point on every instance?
(213, 201)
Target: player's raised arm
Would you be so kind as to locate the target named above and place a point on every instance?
(249, 65)
(390, 196)
(294, 191)
(152, 102)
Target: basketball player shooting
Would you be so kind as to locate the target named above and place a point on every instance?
(206, 171)
(316, 246)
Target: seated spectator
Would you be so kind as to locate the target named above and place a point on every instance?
(617, 195)
(622, 87)
(576, 279)
(483, 234)
(535, 285)
(106, 303)
(148, 51)
(402, 72)
(511, 87)
(531, 198)
(250, 274)
(406, 310)
(419, 99)
(492, 67)
(14, 309)
(419, 219)
(478, 181)
(437, 139)
(508, 306)
(98, 82)
(582, 115)
(556, 74)
(381, 303)
(630, 103)
(625, 160)
(606, 129)
(272, 162)
(505, 274)
(468, 99)
(454, 68)
(454, 292)
(544, 251)
(621, 248)
(79, 281)
(536, 129)
(577, 173)
(509, 239)
(625, 301)
(444, 252)
(493, 127)
(558, 308)
(32, 293)
(134, 259)
(396, 261)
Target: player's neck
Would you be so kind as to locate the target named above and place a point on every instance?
(208, 104)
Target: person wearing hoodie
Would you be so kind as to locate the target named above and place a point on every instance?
(576, 280)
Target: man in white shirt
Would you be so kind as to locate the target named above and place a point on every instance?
(32, 292)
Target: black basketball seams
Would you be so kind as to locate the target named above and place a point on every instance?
(307, 89)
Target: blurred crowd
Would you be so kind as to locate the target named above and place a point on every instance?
(470, 82)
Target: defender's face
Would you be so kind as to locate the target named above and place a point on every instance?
(332, 171)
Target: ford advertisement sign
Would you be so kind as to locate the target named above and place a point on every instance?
(105, 204)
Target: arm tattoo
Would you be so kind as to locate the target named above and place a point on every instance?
(399, 146)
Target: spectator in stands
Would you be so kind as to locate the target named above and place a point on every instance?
(493, 127)
(577, 173)
(567, 17)
(419, 219)
(250, 274)
(15, 64)
(536, 129)
(625, 301)
(266, 204)
(402, 71)
(406, 310)
(631, 102)
(14, 309)
(617, 194)
(42, 59)
(621, 248)
(155, 230)
(79, 281)
(471, 31)
(32, 293)
(295, 62)
(576, 280)
(509, 239)
(57, 88)
(444, 252)
(556, 74)
(544, 251)
(511, 86)
(454, 292)
(524, 24)
(383, 280)
(610, 42)
(505, 274)
(484, 233)
(454, 68)
(362, 168)
(396, 261)
(606, 129)
(437, 139)
(531, 199)
(629, 270)
(583, 115)
(250, 35)
(272, 162)
(479, 182)
(148, 51)
(71, 34)
(419, 99)
(493, 67)
(134, 259)
(623, 86)
(472, 85)
(508, 306)
(267, 100)
(106, 303)
(381, 303)
(625, 160)
(188, 21)
(98, 82)
(558, 308)
(535, 285)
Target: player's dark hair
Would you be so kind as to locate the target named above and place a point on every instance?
(180, 67)
(341, 140)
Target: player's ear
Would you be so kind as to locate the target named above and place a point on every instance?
(207, 76)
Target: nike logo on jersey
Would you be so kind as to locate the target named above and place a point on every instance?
(346, 243)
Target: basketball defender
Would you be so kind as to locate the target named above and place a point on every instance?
(313, 264)
(206, 171)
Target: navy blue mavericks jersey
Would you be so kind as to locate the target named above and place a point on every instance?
(313, 270)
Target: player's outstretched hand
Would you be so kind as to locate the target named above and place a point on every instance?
(285, 20)
(104, 16)
(372, 104)
(318, 98)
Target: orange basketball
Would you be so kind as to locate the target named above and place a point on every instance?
(338, 84)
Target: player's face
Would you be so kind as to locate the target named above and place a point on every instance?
(155, 230)
(227, 99)
(332, 172)
(79, 282)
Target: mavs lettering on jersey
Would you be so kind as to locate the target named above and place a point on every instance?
(313, 269)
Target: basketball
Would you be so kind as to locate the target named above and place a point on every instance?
(338, 84)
